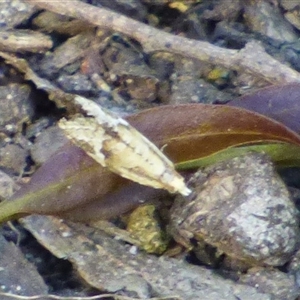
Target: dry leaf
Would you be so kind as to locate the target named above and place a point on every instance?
(192, 131)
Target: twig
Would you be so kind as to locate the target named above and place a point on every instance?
(20, 40)
(98, 297)
(252, 59)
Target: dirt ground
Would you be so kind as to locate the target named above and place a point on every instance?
(129, 56)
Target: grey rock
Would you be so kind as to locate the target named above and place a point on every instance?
(13, 13)
(265, 18)
(242, 208)
(17, 275)
(103, 261)
(7, 186)
(16, 105)
(47, 143)
(280, 284)
(13, 158)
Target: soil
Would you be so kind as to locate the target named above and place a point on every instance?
(122, 75)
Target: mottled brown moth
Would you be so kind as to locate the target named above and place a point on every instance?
(115, 144)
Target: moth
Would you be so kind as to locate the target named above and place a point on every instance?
(115, 144)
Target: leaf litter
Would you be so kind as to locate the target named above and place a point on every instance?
(61, 101)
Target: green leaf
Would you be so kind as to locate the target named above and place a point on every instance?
(73, 184)
(284, 154)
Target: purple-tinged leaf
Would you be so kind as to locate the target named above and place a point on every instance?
(279, 102)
